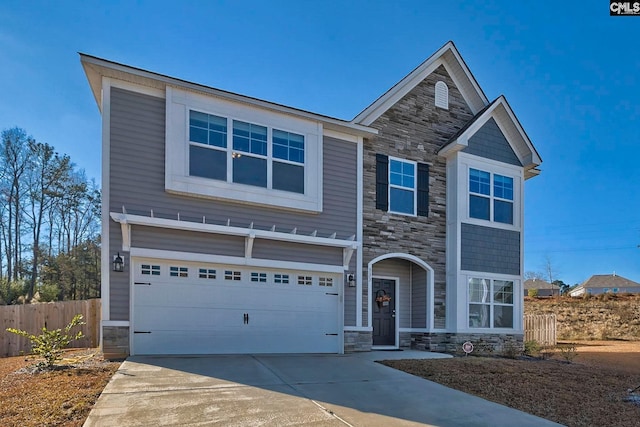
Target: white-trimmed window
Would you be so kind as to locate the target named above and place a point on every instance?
(490, 196)
(175, 271)
(402, 186)
(258, 155)
(225, 150)
(491, 303)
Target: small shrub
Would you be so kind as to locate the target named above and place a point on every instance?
(50, 344)
(533, 293)
(511, 350)
(568, 352)
(532, 348)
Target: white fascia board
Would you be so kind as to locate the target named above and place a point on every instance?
(94, 65)
(393, 95)
(536, 160)
(472, 80)
(105, 255)
(462, 140)
(404, 86)
(173, 224)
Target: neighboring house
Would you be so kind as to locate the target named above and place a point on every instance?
(606, 283)
(544, 288)
(251, 227)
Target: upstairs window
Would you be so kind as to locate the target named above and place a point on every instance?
(490, 196)
(402, 186)
(251, 154)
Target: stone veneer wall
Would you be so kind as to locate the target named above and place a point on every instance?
(452, 342)
(413, 129)
(115, 342)
(357, 341)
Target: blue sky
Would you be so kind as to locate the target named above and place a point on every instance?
(569, 70)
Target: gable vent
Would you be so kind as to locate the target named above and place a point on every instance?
(442, 95)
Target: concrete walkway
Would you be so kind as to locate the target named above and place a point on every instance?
(286, 390)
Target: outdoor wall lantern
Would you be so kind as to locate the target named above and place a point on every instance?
(118, 263)
(351, 280)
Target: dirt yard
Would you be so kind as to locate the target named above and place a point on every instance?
(590, 391)
(62, 397)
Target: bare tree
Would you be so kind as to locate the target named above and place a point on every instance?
(13, 161)
(47, 172)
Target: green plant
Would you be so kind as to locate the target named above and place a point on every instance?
(568, 352)
(50, 344)
(532, 348)
(511, 350)
(533, 293)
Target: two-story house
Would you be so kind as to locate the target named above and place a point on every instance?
(236, 225)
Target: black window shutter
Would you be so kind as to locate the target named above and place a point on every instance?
(382, 182)
(423, 189)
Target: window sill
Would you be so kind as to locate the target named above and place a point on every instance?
(491, 224)
(239, 193)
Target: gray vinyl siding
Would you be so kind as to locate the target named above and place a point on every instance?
(119, 282)
(418, 297)
(350, 312)
(490, 250)
(137, 177)
(401, 269)
(490, 143)
(186, 241)
(296, 252)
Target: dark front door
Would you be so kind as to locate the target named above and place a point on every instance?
(384, 312)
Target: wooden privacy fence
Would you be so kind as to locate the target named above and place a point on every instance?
(541, 328)
(52, 315)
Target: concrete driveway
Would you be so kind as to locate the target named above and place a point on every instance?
(286, 390)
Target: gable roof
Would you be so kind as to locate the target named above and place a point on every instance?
(509, 125)
(539, 284)
(447, 56)
(96, 68)
(609, 281)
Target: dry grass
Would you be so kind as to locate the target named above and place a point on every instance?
(62, 397)
(588, 392)
(591, 391)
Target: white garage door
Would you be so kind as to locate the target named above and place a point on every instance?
(196, 308)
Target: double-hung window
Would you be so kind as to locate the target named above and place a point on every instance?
(490, 303)
(490, 196)
(288, 161)
(256, 155)
(402, 186)
(249, 154)
(208, 146)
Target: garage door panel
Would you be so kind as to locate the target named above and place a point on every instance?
(190, 314)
